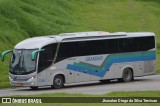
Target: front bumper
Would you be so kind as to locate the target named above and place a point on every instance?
(23, 80)
(23, 83)
(17, 83)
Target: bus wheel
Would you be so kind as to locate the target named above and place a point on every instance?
(105, 81)
(33, 87)
(58, 82)
(127, 75)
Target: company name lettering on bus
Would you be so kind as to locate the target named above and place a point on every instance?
(94, 58)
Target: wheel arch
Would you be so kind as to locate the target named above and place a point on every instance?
(61, 74)
(130, 67)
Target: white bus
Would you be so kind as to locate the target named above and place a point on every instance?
(67, 58)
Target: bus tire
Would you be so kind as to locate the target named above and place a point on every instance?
(34, 87)
(58, 82)
(127, 75)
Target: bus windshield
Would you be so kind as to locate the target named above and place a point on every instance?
(21, 62)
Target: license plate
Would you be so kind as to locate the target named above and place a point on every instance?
(19, 84)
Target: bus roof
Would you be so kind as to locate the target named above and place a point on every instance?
(98, 34)
(38, 42)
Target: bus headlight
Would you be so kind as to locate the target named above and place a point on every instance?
(30, 79)
(10, 78)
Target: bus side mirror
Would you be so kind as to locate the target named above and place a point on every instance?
(35, 52)
(4, 53)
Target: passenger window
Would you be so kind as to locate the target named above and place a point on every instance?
(66, 50)
(147, 43)
(111, 46)
(122, 43)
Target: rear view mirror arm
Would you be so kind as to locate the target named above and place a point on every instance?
(35, 52)
(4, 53)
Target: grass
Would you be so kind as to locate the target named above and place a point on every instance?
(112, 94)
(20, 19)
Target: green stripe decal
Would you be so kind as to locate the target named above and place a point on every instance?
(101, 70)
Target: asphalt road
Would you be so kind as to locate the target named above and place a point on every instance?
(146, 83)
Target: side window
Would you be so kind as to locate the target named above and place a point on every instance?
(66, 50)
(94, 47)
(123, 46)
(133, 44)
(147, 43)
(111, 46)
(129, 45)
(83, 48)
(136, 44)
(98, 47)
(46, 57)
